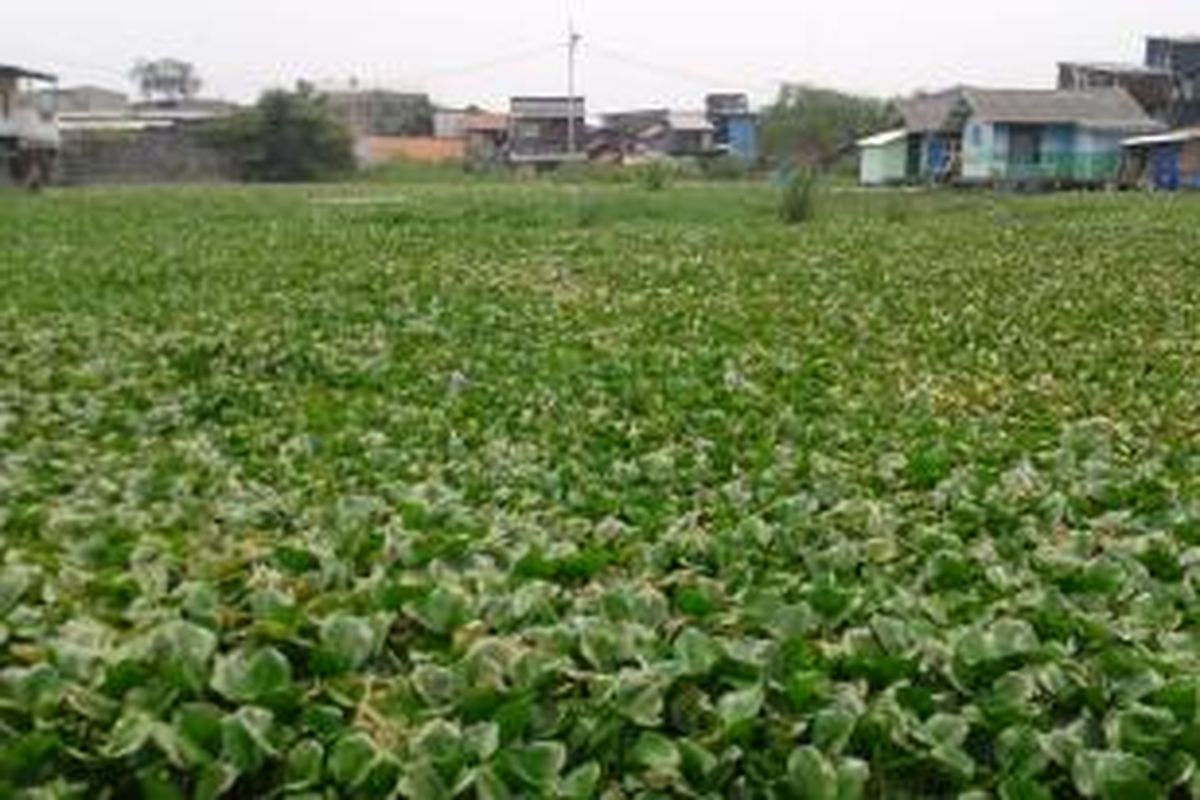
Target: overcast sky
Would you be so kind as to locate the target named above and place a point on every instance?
(635, 52)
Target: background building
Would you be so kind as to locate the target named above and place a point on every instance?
(1181, 57)
(540, 130)
(735, 126)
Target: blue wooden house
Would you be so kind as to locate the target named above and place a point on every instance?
(1017, 136)
(967, 135)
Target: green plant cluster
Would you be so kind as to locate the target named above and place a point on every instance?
(337, 492)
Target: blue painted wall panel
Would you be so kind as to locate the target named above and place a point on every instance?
(743, 138)
(1164, 165)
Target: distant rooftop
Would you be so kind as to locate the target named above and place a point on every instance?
(927, 113)
(1171, 137)
(10, 71)
(1094, 108)
(551, 107)
(1122, 67)
(883, 139)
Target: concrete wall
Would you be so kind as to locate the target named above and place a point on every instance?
(415, 149)
(173, 155)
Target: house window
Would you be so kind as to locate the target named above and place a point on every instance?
(977, 136)
(5, 110)
(529, 130)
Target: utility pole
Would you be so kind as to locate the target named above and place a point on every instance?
(573, 40)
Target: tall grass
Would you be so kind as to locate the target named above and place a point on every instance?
(798, 201)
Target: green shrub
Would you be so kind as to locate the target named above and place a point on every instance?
(726, 168)
(654, 176)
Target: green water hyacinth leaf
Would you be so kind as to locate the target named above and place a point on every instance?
(442, 611)
(131, 733)
(422, 782)
(1110, 775)
(482, 740)
(1142, 729)
(350, 759)
(640, 697)
(535, 767)
(697, 652)
(582, 783)
(201, 602)
(199, 725)
(252, 677)
(347, 642)
(439, 742)
(854, 775)
(740, 707)
(246, 742)
(488, 786)
(15, 581)
(656, 753)
(697, 762)
(185, 650)
(811, 775)
(832, 729)
(305, 764)
(437, 685)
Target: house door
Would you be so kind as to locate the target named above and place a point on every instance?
(913, 166)
(1025, 149)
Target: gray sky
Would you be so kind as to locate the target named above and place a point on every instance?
(636, 52)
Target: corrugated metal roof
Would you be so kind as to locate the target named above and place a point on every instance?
(929, 113)
(1093, 108)
(1116, 67)
(883, 139)
(114, 125)
(1171, 137)
(547, 107)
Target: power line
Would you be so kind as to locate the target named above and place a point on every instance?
(479, 66)
(72, 64)
(692, 76)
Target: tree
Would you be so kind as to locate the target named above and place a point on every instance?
(819, 127)
(166, 80)
(287, 137)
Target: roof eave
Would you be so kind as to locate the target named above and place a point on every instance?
(8, 71)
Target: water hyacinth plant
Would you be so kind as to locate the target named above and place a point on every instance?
(350, 492)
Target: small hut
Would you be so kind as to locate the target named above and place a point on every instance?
(1166, 161)
(884, 159)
